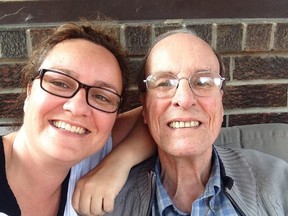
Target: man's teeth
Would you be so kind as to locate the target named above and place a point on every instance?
(180, 124)
(68, 127)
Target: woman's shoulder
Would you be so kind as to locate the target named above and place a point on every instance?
(6, 144)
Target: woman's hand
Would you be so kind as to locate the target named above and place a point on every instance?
(96, 191)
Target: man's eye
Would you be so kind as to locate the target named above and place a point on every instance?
(204, 82)
(165, 83)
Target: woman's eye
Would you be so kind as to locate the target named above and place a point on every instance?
(101, 98)
(59, 84)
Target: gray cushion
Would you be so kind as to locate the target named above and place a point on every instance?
(268, 138)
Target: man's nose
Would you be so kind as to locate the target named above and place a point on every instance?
(184, 97)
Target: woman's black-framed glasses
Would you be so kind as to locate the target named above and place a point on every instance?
(62, 85)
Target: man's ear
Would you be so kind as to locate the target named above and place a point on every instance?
(28, 92)
(144, 114)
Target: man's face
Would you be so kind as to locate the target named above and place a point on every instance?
(200, 117)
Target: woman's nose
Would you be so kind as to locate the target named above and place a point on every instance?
(78, 104)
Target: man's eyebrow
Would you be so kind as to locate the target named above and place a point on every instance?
(161, 71)
(177, 72)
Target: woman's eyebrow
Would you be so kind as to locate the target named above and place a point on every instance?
(96, 83)
(106, 85)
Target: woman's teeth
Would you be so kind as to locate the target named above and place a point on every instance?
(68, 127)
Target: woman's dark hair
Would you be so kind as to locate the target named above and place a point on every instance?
(98, 34)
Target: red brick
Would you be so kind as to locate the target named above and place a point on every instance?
(281, 38)
(255, 96)
(258, 37)
(137, 39)
(7, 102)
(13, 44)
(229, 38)
(248, 68)
(10, 75)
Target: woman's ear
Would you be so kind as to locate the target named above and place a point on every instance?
(28, 89)
(28, 92)
(25, 104)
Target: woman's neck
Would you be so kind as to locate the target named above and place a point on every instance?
(35, 183)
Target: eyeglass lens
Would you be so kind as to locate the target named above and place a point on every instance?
(166, 84)
(62, 85)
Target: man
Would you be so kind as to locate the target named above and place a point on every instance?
(183, 110)
(184, 92)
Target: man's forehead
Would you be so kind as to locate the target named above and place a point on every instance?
(178, 42)
(181, 48)
(174, 45)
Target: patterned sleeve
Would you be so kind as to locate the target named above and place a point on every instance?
(81, 169)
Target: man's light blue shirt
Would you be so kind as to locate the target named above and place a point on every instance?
(212, 201)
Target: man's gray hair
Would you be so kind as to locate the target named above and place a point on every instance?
(169, 33)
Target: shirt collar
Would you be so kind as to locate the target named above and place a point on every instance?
(213, 187)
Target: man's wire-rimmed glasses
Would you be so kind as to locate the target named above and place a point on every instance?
(202, 83)
(62, 85)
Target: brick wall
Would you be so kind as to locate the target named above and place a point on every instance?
(255, 53)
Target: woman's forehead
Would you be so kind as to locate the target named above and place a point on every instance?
(86, 61)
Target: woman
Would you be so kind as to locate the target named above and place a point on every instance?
(74, 82)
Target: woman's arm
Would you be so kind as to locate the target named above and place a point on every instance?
(136, 143)
(132, 143)
(125, 123)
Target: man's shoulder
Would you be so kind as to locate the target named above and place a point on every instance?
(257, 176)
(136, 196)
(250, 155)
(144, 167)
(265, 169)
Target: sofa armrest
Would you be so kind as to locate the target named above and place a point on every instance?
(269, 138)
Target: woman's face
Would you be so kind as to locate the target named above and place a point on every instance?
(85, 128)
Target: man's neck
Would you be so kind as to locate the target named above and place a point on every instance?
(185, 179)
